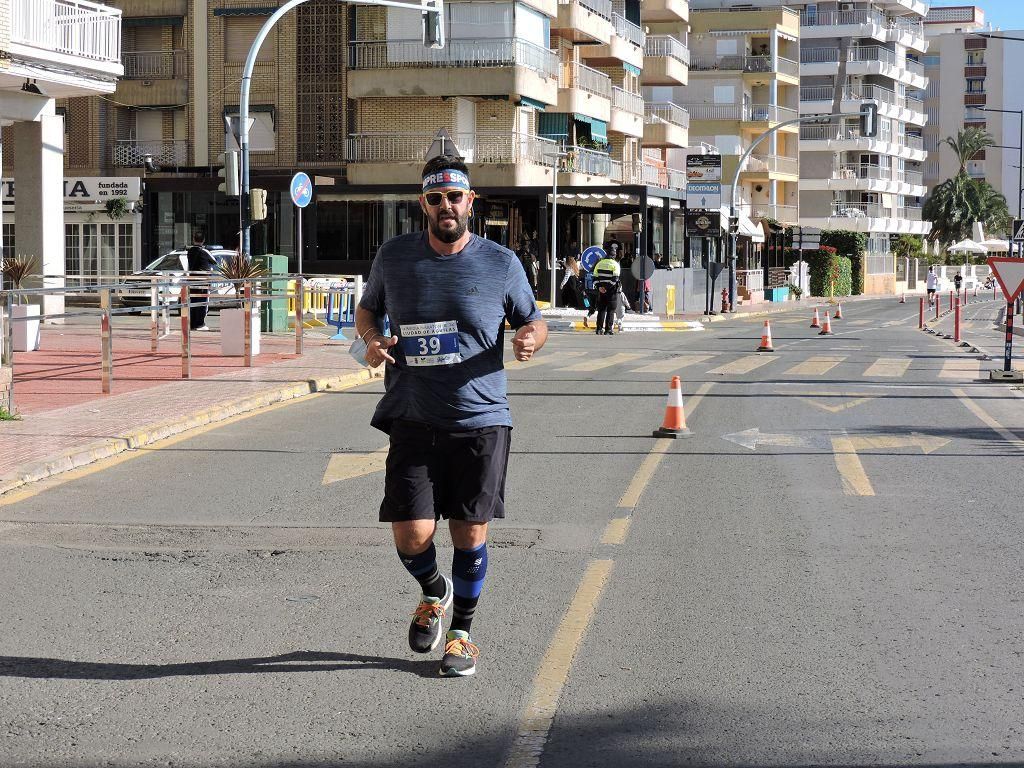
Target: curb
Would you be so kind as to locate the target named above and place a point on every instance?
(73, 458)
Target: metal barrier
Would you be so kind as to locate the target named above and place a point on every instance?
(336, 302)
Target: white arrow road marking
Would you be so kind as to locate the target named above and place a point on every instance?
(751, 438)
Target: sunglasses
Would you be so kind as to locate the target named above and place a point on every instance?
(434, 198)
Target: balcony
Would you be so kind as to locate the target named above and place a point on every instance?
(772, 165)
(863, 23)
(745, 64)
(498, 159)
(756, 113)
(626, 45)
(500, 67)
(784, 214)
(665, 10)
(644, 174)
(627, 115)
(133, 152)
(665, 125)
(666, 61)
(847, 138)
(584, 21)
(585, 90)
(890, 104)
(863, 60)
(586, 162)
(154, 65)
(867, 217)
(73, 47)
(868, 177)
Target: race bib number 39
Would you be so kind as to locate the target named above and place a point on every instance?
(431, 343)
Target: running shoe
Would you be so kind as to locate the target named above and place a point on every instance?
(459, 655)
(427, 625)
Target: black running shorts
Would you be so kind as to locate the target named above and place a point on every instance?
(434, 473)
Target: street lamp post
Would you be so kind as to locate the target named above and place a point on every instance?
(554, 219)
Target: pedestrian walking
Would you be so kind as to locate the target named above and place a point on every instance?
(199, 261)
(572, 287)
(931, 283)
(607, 281)
(958, 280)
(447, 294)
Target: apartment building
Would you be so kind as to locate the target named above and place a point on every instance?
(53, 49)
(587, 89)
(744, 81)
(971, 78)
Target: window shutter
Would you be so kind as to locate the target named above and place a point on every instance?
(239, 32)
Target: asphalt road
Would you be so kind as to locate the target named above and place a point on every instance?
(827, 573)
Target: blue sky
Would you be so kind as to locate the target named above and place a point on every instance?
(1006, 14)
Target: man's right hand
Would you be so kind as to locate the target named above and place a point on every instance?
(377, 350)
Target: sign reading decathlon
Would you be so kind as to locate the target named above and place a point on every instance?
(87, 189)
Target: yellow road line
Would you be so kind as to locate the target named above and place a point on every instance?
(597, 363)
(616, 530)
(13, 497)
(990, 421)
(744, 364)
(961, 368)
(892, 367)
(672, 364)
(855, 479)
(816, 365)
(539, 714)
(643, 475)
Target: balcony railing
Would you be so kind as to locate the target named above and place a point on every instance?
(576, 75)
(666, 45)
(153, 65)
(783, 213)
(745, 112)
(133, 152)
(644, 173)
(602, 8)
(841, 18)
(72, 27)
(706, 62)
(788, 67)
(486, 148)
(666, 112)
(914, 142)
(589, 161)
(910, 213)
(627, 30)
(876, 92)
(773, 164)
(862, 171)
(847, 210)
(485, 52)
(676, 179)
(911, 177)
(626, 101)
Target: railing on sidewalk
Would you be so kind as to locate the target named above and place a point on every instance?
(336, 299)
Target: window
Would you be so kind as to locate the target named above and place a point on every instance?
(239, 33)
(975, 58)
(8, 240)
(976, 85)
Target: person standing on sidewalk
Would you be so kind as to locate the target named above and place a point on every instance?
(447, 294)
(199, 260)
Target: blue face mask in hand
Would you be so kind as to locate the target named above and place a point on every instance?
(358, 351)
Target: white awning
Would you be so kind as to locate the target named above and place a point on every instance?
(748, 228)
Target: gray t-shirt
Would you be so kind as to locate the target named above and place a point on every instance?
(449, 314)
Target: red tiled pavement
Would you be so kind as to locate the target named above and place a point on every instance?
(64, 414)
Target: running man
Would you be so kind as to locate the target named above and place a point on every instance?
(447, 294)
(931, 284)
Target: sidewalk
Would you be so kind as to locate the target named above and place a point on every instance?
(67, 422)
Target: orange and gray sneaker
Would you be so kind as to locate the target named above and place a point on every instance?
(427, 625)
(459, 655)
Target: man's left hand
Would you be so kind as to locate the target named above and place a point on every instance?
(524, 344)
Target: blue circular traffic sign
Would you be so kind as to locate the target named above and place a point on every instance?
(301, 189)
(591, 256)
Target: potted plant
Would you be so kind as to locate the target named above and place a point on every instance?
(232, 320)
(24, 316)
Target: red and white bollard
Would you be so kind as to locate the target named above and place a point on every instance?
(920, 315)
(938, 301)
(956, 320)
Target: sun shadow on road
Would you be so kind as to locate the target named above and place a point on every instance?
(298, 661)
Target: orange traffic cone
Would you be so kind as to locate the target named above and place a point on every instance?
(839, 312)
(766, 339)
(826, 329)
(675, 417)
(816, 323)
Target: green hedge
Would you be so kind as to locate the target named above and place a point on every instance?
(851, 245)
(826, 266)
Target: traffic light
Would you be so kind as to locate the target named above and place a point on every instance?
(257, 204)
(868, 120)
(232, 184)
(433, 28)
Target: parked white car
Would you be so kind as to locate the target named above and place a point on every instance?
(170, 268)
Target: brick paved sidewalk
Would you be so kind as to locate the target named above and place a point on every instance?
(66, 421)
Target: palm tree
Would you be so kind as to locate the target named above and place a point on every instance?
(968, 143)
(955, 204)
